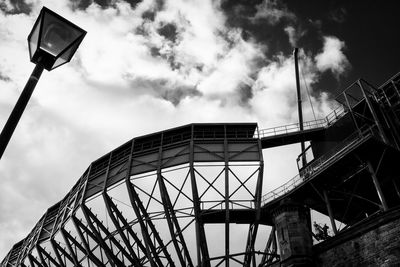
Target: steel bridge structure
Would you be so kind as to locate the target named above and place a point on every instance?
(192, 195)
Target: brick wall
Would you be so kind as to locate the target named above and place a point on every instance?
(373, 242)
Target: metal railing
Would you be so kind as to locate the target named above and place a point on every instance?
(319, 164)
(308, 125)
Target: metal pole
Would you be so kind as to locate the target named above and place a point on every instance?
(377, 186)
(19, 108)
(227, 218)
(296, 65)
(330, 213)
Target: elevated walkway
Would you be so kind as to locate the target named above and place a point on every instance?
(290, 134)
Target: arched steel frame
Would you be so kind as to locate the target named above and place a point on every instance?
(162, 219)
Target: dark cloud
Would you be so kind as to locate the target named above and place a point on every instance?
(241, 15)
(149, 15)
(339, 14)
(80, 4)
(4, 77)
(155, 51)
(83, 4)
(177, 94)
(17, 7)
(169, 31)
(163, 88)
(245, 93)
(160, 4)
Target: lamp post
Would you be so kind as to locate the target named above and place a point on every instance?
(52, 43)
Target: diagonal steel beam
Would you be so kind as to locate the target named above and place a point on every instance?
(171, 217)
(174, 224)
(270, 249)
(72, 254)
(57, 249)
(77, 245)
(90, 218)
(34, 262)
(251, 239)
(110, 205)
(79, 226)
(41, 257)
(141, 213)
(41, 251)
(143, 216)
(153, 260)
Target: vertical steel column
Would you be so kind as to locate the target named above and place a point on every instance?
(253, 229)
(377, 186)
(203, 258)
(374, 115)
(330, 213)
(227, 218)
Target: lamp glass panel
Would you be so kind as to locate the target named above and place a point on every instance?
(57, 34)
(66, 56)
(33, 38)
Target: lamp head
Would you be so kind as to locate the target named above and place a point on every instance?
(53, 40)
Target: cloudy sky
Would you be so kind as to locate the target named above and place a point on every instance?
(145, 66)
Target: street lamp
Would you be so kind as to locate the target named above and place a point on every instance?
(52, 43)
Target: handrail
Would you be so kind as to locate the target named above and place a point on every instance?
(318, 165)
(307, 125)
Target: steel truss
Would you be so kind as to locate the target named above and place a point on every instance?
(181, 197)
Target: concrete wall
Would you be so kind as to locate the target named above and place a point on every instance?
(374, 242)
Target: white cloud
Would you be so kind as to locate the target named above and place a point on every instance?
(275, 99)
(294, 34)
(332, 57)
(272, 12)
